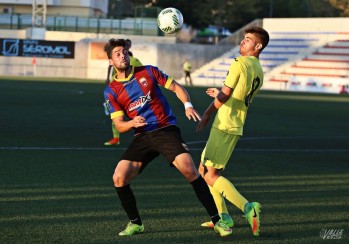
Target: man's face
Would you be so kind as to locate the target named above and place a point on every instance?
(120, 58)
(248, 45)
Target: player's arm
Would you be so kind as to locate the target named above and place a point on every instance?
(221, 98)
(125, 125)
(183, 95)
(118, 115)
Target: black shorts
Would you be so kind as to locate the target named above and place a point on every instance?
(147, 146)
(187, 73)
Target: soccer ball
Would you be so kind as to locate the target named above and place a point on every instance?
(170, 20)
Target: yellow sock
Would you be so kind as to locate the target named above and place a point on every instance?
(219, 200)
(116, 133)
(228, 190)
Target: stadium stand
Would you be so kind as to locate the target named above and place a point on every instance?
(302, 61)
(324, 66)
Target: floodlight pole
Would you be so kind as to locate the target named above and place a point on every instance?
(39, 13)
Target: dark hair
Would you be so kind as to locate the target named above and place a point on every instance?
(111, 44)
(261, 34)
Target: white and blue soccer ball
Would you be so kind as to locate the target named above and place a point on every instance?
(170, 20)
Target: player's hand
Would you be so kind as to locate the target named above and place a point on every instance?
(212, 92)
(203, 122)
(191, 113)
(139, 121)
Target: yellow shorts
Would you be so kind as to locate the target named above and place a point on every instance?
(218, 149)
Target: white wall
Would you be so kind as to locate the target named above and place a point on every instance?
(306, 24)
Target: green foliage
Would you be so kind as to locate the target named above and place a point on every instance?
(300, 8)
(342, 6)
(233, 14)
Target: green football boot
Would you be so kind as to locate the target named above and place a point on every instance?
(132, 229)
(225, 217)
(252, 210)
(222, 229)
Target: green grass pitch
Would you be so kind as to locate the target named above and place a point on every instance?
(56, 175)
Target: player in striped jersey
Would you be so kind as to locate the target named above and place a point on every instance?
(134, 62)
(135, 102)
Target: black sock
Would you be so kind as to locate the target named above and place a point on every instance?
(128, 202)
(204, 195)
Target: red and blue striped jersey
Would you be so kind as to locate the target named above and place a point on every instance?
(140, 95)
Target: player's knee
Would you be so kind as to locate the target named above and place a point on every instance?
(210, 178)
(202, 170)
(119, 179)
(190, 173)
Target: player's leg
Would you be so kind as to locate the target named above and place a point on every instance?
(218, 197)
(186, 77)
(210, 153)
(169, 143)
(124, 172)
(134, 160)
(185, 165)
(219, 200)
(116, 132)
(116, 136)
(190, 80)
(228, 190)
(213, 161)
(222, 209)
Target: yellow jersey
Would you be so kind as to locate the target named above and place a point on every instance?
(245, 77)
(187, 66)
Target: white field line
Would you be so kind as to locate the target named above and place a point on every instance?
(199, 148)
(191, 149)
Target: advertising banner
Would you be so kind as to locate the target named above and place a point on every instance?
(36, 48)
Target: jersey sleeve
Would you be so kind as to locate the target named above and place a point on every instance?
(160, 77)
(111, 103)
(233, 74)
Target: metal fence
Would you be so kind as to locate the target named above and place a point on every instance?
(132, 26)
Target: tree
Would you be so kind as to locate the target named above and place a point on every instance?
(297, 9)
(230, 14)
(234, 14)
(342, 5)
(120, 9)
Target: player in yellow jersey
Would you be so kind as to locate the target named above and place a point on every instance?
(187, 70)
(133, 62)
(243, 82)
